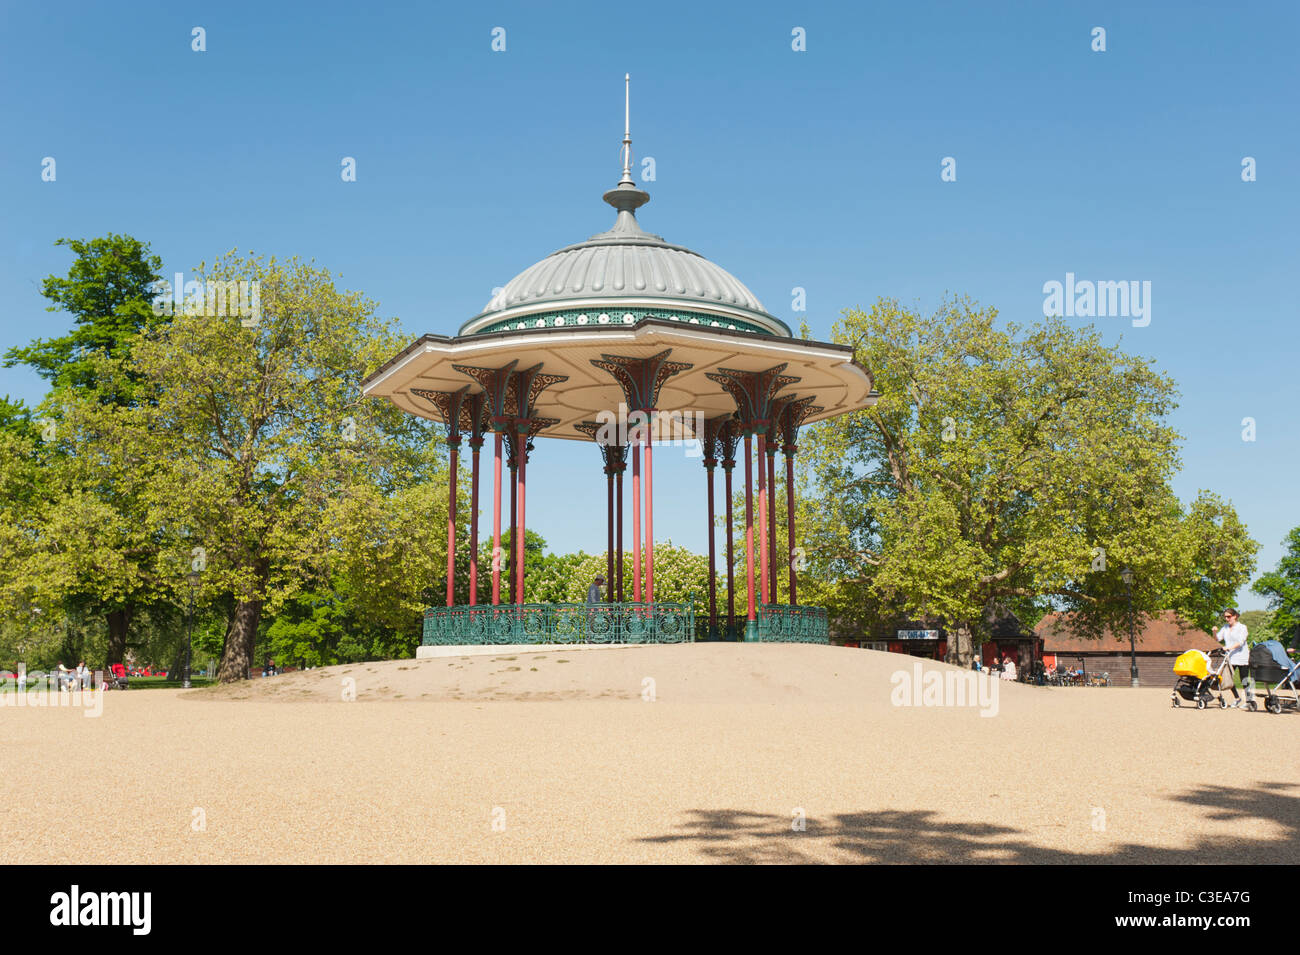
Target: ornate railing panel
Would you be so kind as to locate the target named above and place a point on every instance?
(608, 623)
(779, 623)
(662, 622)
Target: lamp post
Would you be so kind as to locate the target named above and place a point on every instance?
(193, 579)
(1127, 575)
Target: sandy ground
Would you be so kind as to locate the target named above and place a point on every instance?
(562, 758)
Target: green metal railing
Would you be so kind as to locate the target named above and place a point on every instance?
(661, 622)
(780, 623)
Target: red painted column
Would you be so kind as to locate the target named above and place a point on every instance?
(496, 521)
(609, 526)
(749, 534)
(649, 522)
(518, 539)
(763, 579)
(475, 444)
(731, 546)
(514, 504)
(789, 520)
(636, 521)
(713, 573)
(451, 528)
(771, 520)
(618, 545)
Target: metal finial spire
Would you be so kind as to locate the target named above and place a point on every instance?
(626, 197)
(627, 130)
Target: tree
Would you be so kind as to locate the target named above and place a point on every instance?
(272, 472)
(109, 290)
(1282, 588)
(1008, 465)
(85, 545)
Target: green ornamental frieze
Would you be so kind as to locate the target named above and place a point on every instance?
(591, 319)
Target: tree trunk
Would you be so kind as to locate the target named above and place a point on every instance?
(960, 651)
(241, 639)
(119, 624)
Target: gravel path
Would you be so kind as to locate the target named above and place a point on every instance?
(555, 757)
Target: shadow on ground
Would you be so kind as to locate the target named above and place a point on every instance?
(922, 837)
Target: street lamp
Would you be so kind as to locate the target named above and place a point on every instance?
(1127, 575)
(193, 579)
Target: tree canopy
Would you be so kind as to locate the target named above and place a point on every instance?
(1008, 465)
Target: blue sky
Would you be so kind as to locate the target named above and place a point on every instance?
(818, 169)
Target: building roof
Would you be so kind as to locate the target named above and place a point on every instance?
(624, 270)
(623, 266)
(1166, 633)
(622, 295)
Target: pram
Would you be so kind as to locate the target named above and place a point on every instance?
(1270, 664)
(115, 677)
(1197, 683)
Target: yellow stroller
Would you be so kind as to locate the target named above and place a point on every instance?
(1197, 682)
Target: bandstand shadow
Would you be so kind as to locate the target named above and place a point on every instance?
(922, 837)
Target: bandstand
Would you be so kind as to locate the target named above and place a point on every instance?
(624, 341)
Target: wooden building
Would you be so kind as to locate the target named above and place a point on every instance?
(1158, 644)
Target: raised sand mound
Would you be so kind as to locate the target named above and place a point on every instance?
(683, 673)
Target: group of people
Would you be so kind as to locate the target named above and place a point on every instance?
(1003, 667)
(72, 679)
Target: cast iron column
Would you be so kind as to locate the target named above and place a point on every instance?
(771, 519)
(649, 520)
(496, 520)
(619, 541)
(727, 468)
(751, 622)
(475, 446)
(789, 519)
(709, 465)
(763, 578)
(451, 524)
(518, 540)
(636, 520)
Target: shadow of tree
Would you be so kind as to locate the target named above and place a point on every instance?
(923, 837)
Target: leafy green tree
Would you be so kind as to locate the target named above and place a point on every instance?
(263, 448)
(1282, 588)
(84, 543)
(1005, 465)
(109, 291)
(1259, 625)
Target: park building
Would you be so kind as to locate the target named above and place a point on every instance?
(1158, 642)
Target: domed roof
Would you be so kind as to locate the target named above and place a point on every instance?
(624, 267)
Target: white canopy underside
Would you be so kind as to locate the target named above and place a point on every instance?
(826, 373)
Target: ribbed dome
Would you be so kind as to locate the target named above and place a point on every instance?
(625, 264)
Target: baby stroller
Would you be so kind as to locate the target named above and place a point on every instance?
(116, 678)
(1197, 683)
(1270, 664)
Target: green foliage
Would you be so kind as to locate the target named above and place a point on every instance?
(321, 628)
(1259, 626)
(264, 452)
(76, 539)
(109, 291)
(1004, 466)
(1282, 588)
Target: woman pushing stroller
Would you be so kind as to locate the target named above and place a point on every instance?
(1233, 636)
